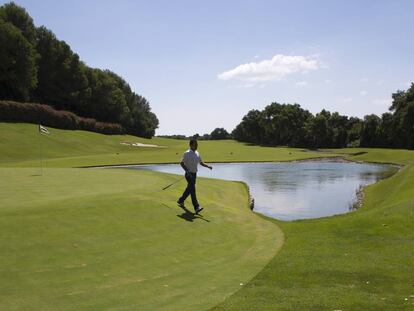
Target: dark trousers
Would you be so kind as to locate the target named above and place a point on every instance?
(190, 190)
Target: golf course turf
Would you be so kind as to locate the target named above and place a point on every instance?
(90, 239)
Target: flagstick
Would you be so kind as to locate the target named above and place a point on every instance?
(41, 157)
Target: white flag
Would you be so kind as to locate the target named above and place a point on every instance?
(43, 130)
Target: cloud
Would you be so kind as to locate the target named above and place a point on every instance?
(363, 93)
(269, 70)
(301, 83)
(364, 80)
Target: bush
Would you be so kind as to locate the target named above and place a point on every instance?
(46, 115)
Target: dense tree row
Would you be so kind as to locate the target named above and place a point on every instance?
(290, 125)
(218, 133)
(35, 66)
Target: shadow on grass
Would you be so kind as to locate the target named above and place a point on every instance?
(188, 215)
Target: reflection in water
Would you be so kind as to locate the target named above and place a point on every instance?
(294, 190)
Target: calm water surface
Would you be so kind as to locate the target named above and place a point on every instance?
(292, 190)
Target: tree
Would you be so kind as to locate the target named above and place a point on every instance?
(370, 131)
(283, 124)
(62, 77)
(35, 65)
(219, 133)
(317, 131)
(17, 64)
(18, 17)
(354, 127)
(403, 115)
(249, 130)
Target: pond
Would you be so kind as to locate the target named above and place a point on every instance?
(293, 190)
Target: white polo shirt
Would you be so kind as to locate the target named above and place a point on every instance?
(191, 159)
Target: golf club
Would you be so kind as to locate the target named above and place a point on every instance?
(166, 187)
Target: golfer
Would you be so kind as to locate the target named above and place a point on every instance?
(189, 163)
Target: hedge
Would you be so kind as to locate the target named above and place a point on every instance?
(11, 111)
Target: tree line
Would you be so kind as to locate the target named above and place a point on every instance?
(35, 66)
(291, 125)
(218, 133)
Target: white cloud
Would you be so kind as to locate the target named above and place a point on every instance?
(272, 69)
(301, 83)
(256, 56)
(363, 93)
(327, 81)
(364, 80)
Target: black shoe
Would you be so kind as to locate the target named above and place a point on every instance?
(181, 204)
(198, 209)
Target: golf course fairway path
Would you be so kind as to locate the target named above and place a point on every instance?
(83, 239)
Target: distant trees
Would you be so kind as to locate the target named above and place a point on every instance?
(36, 66)
(290, 125)
(219, 133)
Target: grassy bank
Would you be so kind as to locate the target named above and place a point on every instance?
(358, 261)
(21, 144)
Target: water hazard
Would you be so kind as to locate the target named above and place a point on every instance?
(293, 190)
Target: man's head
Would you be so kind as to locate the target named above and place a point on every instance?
(193, 144)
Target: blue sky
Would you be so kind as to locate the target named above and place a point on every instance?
(205, 64)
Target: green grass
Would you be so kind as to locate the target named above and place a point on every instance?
(88, 239)
(359, 261)
(83, 239)
(20, 146)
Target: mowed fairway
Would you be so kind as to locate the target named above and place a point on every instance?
(21, 144)
(83, 239)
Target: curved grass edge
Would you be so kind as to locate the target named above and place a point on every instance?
(271, 291)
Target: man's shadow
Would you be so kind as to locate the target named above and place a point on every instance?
(190, 216)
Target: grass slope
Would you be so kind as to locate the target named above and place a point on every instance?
(358, 261)
(84, 239)
(20, 146)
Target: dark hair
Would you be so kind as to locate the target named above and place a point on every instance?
(193, 141)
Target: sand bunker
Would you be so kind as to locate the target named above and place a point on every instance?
(141, 145)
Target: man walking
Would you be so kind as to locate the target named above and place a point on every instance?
(189, 163)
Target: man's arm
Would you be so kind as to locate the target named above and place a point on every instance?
(183, 166)
(205, 165)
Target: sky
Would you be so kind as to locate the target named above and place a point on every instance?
(205, 64)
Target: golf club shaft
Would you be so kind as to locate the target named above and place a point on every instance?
(173, 183)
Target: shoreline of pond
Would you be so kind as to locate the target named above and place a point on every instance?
(354, 205)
